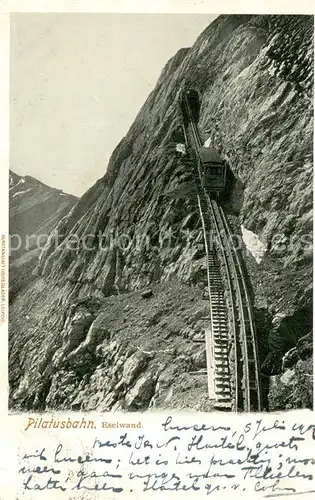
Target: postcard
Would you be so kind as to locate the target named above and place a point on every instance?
(156, 250)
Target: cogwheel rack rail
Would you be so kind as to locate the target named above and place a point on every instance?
(231, 347)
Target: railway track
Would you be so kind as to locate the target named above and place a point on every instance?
(232, 358)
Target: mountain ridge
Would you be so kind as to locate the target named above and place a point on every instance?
(34, 210)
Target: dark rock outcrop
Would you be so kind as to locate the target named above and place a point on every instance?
(293, 387)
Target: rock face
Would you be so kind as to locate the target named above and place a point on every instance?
(35, 209)
(293, 388)
(138, 229)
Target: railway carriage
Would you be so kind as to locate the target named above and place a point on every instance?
(213, 169)
(213, 174)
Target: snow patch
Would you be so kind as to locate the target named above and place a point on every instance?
(21, 192)
(256, 247)
(181, 148)
(21, 181)
(207, 143)
(271, 70)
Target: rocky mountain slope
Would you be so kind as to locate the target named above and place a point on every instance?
(35, 209)
(96, 337)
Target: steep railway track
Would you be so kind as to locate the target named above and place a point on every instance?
(232, 358)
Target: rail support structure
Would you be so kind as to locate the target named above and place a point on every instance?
(210, 364)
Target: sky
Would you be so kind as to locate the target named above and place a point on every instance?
(77, 83)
